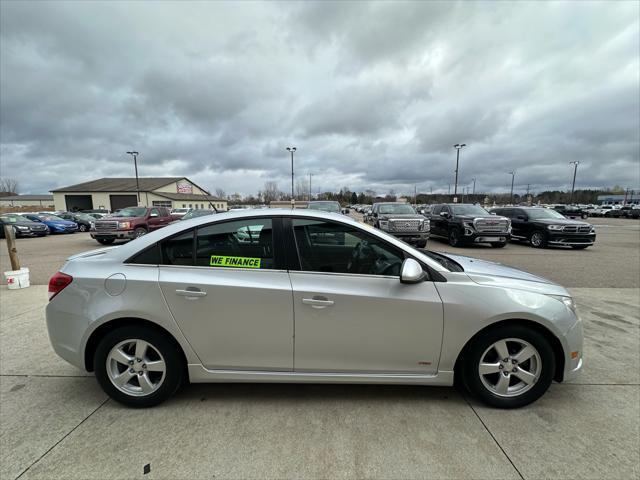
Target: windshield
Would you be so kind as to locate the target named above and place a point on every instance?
(541, 213)
(14, 218)
(52, 218)
(197, 213)
(396, 208)
(468, 210)
(446, 262)
(325, 206)
(131, 212)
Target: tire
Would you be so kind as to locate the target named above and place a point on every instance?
(454, 237)
(499, 244)
(82, 228)
(421, 244)
(538, 239)
(579, 247)
(105, 241)
(161, 383)
(508, 390)
(140, 231)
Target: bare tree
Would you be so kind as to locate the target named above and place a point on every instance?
(270, 192)
(302, 189)
(8, 186)
(220, 193)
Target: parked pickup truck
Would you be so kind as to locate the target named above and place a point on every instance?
(463, 224)
(130, 223)
(400, 220)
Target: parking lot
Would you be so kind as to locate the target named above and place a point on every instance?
(57, 423)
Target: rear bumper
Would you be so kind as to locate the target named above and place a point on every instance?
(114, 235)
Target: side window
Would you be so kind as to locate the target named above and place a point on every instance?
(148, 256)
(340, 248)
(154, 210)
(445, 208)
(241, 244)
(436, 210)
(178, 250)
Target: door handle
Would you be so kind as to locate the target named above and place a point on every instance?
(191, 293)
(317, 302)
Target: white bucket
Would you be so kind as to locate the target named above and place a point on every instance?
(17, 278)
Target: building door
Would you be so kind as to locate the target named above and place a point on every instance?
(122, 201)
(75, 203)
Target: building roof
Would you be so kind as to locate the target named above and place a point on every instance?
(188, 196)
(12, 198)
(128, 184)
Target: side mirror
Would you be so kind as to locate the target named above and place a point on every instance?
(521, 217)
(375, 214)
(411, 271)
(346, 211)
(444, 214)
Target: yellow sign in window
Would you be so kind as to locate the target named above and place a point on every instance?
(237, 262)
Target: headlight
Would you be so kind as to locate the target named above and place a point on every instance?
(384, 224)
(555, 227)
(568, 301)
(124, 225)
(593, 229)
(426, 225)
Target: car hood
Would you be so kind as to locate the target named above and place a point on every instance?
(404, 216)
(496, 274)
(24, 224)
(560, 221)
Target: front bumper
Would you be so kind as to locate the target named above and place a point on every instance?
(573, 345)
(32, 233)
(473, 236)
(562, 238)
(113, 235)
(410, 237)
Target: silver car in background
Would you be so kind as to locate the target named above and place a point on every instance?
(306, 296)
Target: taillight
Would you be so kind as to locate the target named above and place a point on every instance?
(58, 282)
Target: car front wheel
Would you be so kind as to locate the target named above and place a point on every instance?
(509, 367)
(140, 231)
(538, 239)
(454, 237)
(138, 366)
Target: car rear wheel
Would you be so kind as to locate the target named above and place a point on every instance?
(105, 241)
(508, 367)
(538, 239)
(421, 244)
(138, 366)
(454, 237)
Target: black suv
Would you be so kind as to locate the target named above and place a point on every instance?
(544, 226)
(400, 220)
(570, 211)
(464, 223)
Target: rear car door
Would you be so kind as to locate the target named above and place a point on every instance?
(226, 288)
(352, 314)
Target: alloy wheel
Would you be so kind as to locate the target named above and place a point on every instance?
(136, 367)
(536, 239)
(510, 367)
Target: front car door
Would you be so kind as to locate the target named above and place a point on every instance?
(352, 314)
(228, 291)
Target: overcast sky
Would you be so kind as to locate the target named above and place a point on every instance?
(373, 95)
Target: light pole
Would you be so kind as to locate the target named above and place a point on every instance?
(573, 185)
(457, 146)
(513, 176)
(135, 164)
(292, 149)
(310, 175)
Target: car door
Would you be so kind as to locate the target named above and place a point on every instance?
(226, 288)
(519, 222)
(154, 221)
(355, 315)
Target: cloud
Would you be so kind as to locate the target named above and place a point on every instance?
(373, 94)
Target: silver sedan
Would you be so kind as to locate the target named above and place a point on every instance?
(306, 296)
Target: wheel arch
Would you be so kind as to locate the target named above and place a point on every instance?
(554, 341)
(100, 332)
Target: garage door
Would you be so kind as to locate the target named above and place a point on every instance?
(121, 201)
(78, 202)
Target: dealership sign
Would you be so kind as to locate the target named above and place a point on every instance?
(185, 187)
